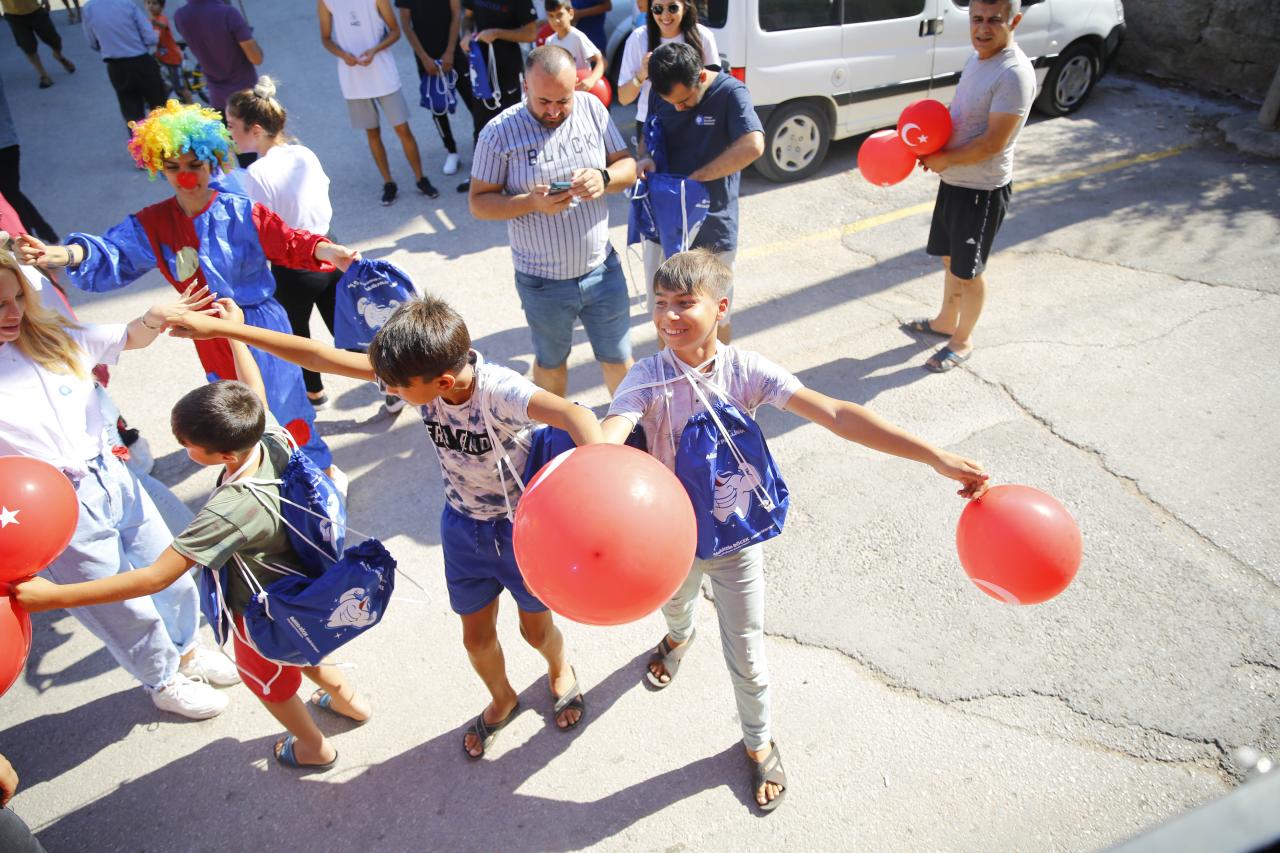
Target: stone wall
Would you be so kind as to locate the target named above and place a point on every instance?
(1223, 45)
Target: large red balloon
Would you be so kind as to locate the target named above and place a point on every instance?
(925, 126)
(1018, 544)
(601, 89)
(15, 641)
(604, 534)
(884, 160)
(38, 514)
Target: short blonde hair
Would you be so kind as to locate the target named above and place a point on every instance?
(697, 272)
(43, 337)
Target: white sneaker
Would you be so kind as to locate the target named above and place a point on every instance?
(451, 164)
(190, 698)
(340, 480)
(211, 666)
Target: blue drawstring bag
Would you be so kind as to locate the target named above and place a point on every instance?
(439, 92)
(367, 294)
(679, 206)
(548, 442)
(484, 75)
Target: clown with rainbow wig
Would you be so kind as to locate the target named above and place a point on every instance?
(220, 239)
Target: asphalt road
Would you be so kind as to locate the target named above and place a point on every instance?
(1122, 366)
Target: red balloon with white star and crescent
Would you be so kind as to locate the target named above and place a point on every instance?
(38, 515)
(925, 126)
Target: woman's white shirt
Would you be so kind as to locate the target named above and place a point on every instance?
(290, 180)
(638, 46)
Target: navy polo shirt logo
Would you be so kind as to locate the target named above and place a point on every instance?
(704, 121)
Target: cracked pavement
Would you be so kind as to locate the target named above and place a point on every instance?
(1123, 364)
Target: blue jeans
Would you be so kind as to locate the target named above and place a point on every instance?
(599, 299)
(120, 529)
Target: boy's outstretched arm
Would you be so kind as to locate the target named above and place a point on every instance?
(578, 421)
(615, 429)
(37, 594)
(247, 370)
(856, 423)
(303, 352)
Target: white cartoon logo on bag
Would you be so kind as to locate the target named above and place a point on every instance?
(329, 527)
(733, 492)
(353, 610)
(375, 315)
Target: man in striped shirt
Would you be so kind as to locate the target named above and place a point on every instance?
(544, 166)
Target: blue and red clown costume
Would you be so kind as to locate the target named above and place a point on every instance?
(226, 247)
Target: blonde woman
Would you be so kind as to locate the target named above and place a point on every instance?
(49, 410)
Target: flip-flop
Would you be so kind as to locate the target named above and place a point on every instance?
(944, 360)
(325, 703)
(763, 772)
(486, 732)
(922, 327)
(571, 699)
(286, 757)
(669, 658)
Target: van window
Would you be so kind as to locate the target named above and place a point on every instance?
(862, 11)
(714, 13)
(778, 15)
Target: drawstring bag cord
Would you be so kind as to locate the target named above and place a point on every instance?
(442, 84)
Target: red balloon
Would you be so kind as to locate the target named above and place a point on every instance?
(601, 89)
(925, 126)
(1018, 544)
(38, 514)
(15, 641)
(884, 160)
(604, 534)
(544, 33)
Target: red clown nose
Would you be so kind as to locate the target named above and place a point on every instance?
(188, 180)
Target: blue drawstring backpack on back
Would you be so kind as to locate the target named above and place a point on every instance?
(484, 74)
(439, 92)
(367, 294)
(300, 618)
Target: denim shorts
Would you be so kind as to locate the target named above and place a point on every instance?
(480, 562)
(599, 299)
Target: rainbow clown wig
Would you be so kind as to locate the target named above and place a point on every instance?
(175, 129)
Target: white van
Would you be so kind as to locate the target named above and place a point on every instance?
(820, 70)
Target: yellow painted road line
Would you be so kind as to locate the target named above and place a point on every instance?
(927, 207)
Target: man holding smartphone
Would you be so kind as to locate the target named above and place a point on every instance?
(544, 166)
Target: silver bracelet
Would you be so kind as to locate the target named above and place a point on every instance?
(145, 324)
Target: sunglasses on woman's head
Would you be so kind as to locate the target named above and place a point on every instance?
(659, 9)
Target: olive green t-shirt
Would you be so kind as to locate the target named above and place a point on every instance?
(235, 522)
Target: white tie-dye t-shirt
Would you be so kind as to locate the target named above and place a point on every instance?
(473, 484)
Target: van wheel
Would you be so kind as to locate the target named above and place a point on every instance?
(796, 139)
(1070, 80)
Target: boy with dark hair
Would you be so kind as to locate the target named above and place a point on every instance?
(662, 393)
(479, 417)
(586, 56)
(226, 423)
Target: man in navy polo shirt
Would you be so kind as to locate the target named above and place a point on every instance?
(712, 133)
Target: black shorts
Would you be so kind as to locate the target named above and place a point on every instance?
(27, 27)
(965, 224)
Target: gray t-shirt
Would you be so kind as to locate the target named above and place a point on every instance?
(1005, 83)
(518, 153)
(473, 484)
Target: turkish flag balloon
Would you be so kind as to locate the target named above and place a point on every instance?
(15, 641)
(601, 89)
(884, 160)
(38, 514)
(604, 534)
(1018, 544)
(544, 33)
(925, 126)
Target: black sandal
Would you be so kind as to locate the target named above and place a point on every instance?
(669, 658)
(764, 772)
(486, 732)
(923, 327)
(571, 699)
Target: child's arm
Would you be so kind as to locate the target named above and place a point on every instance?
(37, 594)
(247, 370)
(578, 421)
(855, 423)
(615, 429)
(303, 352)
(596, 61)
(145, 329)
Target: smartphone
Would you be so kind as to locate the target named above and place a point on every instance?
(558, 187)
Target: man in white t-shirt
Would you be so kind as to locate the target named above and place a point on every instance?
(359, 32)
(991, 105)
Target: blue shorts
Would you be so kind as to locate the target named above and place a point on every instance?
(599, 299)
(479, 562)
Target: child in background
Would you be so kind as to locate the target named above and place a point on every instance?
(479, 417)
(690, 298)
(167, 52)
(227, 424)
(585, 54)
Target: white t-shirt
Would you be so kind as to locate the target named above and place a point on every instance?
(577, 44)
(55, 416)
(472, 483)
(357, 26)
(747, 379)
(1005, 83)
(290, 180)
(638, 46)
